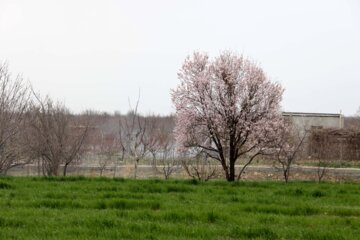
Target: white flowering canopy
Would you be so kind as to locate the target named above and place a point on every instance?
(226, 106)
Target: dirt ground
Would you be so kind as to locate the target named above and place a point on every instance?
(256, 172)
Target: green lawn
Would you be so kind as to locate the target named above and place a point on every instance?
(99, 208)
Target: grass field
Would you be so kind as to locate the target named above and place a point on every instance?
(99, 208)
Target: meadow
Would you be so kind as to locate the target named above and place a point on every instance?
(105, 208)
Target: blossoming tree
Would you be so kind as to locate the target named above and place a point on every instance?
(227, 107)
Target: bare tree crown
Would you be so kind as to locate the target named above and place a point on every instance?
(14, 102)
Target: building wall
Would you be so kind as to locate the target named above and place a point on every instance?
(307, 121)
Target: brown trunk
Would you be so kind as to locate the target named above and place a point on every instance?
(231, 177)
(232, 165)
(232, 159)
(225, 167)
(65, 169)
(286, 175)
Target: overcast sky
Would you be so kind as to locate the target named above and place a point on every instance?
(98, 54)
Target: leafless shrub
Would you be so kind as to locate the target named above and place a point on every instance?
(133, 140)
(289, 148)
(200, 167)
(54, 136)
(320, 149)
(14, 102)
(109, 147)
(165, 160)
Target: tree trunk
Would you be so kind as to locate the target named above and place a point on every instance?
(65, 169)
(115, 168)
(232, 158)
(286, 175)
(226, 170)
(231, 176)
(135, 168)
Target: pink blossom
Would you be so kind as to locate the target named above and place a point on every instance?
(227, 106)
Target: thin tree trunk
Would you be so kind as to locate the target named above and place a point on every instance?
(286, 176)
(232, 171)
(226, 169)
(248, 163)
(65, 169)
(115, 168)
(135, 168)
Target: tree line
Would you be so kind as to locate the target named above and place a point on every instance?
(226, 109)
(35, 128)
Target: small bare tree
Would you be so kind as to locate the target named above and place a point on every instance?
(152, 136)
(353, 122)
(132, 136)
(109, 146)
(103, 140)
(14, 99)
(261, 148)
(321, 152)
(289, 148)
(201, 166)
(321, 170)
(55, 136)
(164, 158)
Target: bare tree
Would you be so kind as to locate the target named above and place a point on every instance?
(165, 160)
(132, 136)
(321, 169)
(56, 138)
(109, 146)
(14, 99)
(321, 151)
(353, 122)
(263, 149)
(153, 136)
(103, 140)
(198, 165)
(289, 148)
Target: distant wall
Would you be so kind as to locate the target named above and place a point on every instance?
(308, 121)
(335, 144)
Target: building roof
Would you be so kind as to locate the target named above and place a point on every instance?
(304, 114)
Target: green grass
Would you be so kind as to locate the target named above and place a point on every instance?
(100, 208)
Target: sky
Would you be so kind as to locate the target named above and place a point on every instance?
(98, 54)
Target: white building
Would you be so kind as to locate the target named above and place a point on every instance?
(307, 121)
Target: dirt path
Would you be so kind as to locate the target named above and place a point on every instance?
(255, 172)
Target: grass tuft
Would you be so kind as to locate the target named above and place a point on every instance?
(317, 194)
(298, 192)
(254, 233)
(179, 189)
(4, 185)
(212, 217)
